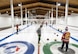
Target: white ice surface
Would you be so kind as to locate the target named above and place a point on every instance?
(29, 35)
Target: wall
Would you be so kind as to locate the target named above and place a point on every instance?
(72, 20)
(61, 20)
(17, 20)
(5, 20)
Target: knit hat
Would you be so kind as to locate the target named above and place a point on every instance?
(66, 28)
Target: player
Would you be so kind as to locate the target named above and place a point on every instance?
(65, 38)
(17, 29)
(39, 33)
(46, 23)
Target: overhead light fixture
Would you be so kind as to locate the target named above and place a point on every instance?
(72, 11)
(17, 14)
(6, 11)
(59, 4)
(19, 4)
(33, 11)
(28, 11)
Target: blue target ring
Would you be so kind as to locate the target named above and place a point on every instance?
(30, 49)
(8, 50)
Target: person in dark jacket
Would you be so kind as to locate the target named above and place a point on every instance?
(17, 29)
(39, 33)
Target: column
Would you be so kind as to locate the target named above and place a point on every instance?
(66, 12)
(52, 16)
(49, 17)
(56, 12)
(49, 14)
(12, 14)
(26, 15)
(21, 15)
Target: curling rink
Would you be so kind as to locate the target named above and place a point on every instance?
(26, 41)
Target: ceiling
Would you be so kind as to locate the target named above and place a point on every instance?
(41, 7)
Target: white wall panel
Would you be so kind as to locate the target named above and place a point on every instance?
(5, 20)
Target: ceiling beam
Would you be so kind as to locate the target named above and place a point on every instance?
(75, 2)
(39, 4)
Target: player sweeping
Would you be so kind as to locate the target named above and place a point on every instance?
(65, 39)
(39, 33)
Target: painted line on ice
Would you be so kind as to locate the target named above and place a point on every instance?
(62, 33)
(30, 47)
(13, 34)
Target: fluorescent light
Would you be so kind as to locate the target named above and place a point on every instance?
(6, 11)
(59, 4)
(33, 11)
(19, 4)
(72, 11)
(17, 14)
(28, 11)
